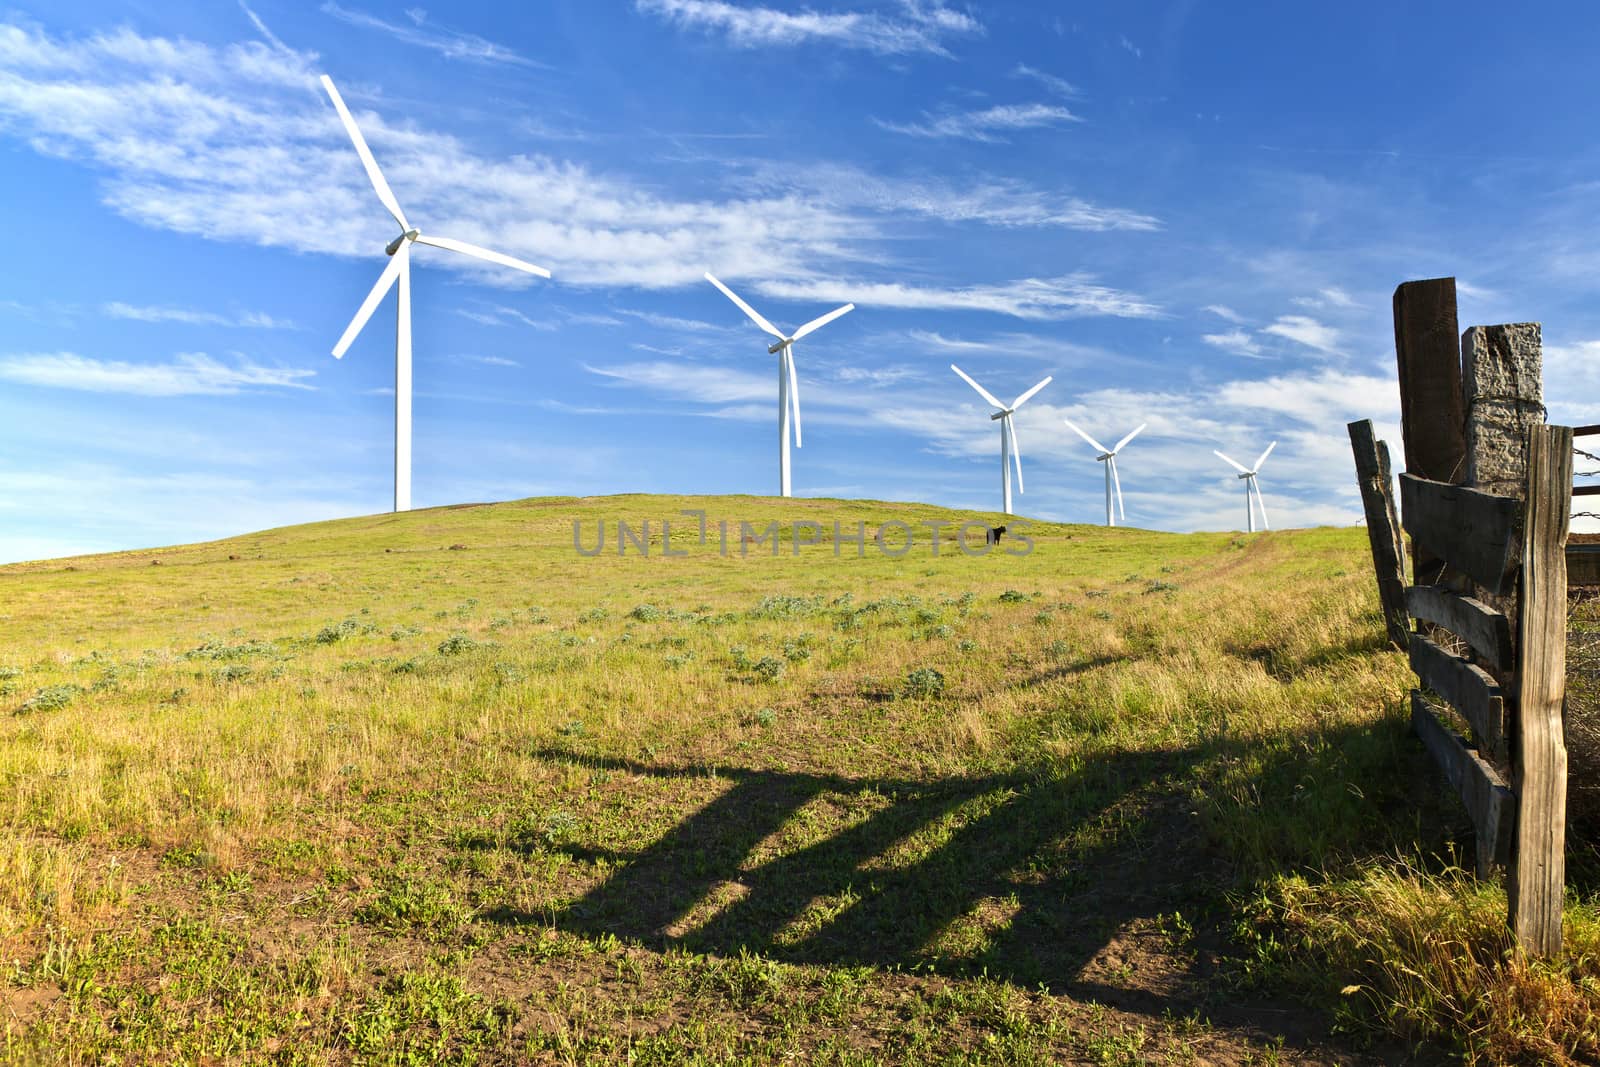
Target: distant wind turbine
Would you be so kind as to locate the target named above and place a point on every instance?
(399, 268)
(788, 380)
(1108, 456)
(1009, 452)
(1251, 486)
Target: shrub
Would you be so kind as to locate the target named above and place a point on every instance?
(768, 668)
(51, 698)
(923, 682)
(1011, 596)
(333, 633)
(456, 644)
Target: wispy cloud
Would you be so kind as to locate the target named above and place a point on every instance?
(262, 28)
(986, 124)
(1236, 341)
(501, 315)
(1331, 297)
(1222, 311)
(1059, 86)
(490, 361)
(1307, 331)
(1042, 299)
(190, 317)
(991, 201)
(195, 374)
(919, 26)
(451, 44)
(1129, 47)
(707, 384)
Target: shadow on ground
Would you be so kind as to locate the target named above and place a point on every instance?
(1069, 881)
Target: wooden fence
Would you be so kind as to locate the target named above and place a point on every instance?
(1487, 513)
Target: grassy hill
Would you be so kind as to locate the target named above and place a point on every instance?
(439, 786)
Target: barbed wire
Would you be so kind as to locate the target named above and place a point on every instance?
(1586, 455)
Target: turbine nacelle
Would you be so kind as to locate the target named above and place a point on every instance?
(394, 246)
(773, 350)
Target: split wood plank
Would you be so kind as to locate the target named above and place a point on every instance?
(1475, 533)
(1486, 630)
(1487, 798)
(1537, 882)
(1383, 528)
(1468, 688)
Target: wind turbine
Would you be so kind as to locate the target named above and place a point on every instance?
(1251, 486)
(788, 381)
(1108, 456)
(399, 269)
(1009, 451)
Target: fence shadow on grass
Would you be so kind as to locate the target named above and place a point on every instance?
(1028, 877)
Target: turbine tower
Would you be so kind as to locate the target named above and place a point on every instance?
(1108, 456)
(399, 270)
(1009, 452)
(1251, 486)
(788, 381)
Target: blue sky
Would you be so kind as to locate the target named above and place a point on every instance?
(1192, 215)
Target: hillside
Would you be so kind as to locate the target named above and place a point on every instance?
(437, 785)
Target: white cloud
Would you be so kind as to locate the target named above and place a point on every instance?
(1236, 341)
(237, 144)
(195, 374)
(920, 25)
(986, 124)
(992, 201)
(1307, 331)
(501, 315)
(448, 43)
(491, 361)
(712, 385)
(1040, 299)
(190, 317)
(1325, 298)
(1059, 86)
(1224, 312)
(1131, 48)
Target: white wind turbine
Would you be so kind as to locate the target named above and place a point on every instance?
(1108, 456)
(1009, 452)
(1251, 486)
(788, 381)
(399, 268)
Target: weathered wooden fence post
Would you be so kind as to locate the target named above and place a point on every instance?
(1538, 869)
(1426, 345)
(1383, 528)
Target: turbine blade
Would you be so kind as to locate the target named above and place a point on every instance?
(818, 323)
(1023, 399)
(1131, 436)
(1264, 456)
(755, 316)
(1229, 462)
(385, 194)
(1117, 481)
(1096, 445)
(385, 280)
(794, 391)
(1016, 452)
(481, 253)
(981, 390)
(1261, 501)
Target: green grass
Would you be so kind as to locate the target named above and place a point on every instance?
(342, 793)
